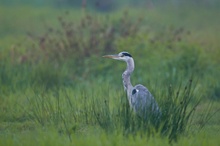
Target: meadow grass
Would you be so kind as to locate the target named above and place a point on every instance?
(103, 111)
(50, 96)
(51, 137)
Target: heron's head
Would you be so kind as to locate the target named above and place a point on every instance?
(124, 56)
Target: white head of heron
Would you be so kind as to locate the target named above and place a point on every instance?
(124, 56)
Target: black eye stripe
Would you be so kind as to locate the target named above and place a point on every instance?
(126, 54)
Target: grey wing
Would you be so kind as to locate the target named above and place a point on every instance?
(142, 100)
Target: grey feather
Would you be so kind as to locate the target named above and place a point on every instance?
(143, 101)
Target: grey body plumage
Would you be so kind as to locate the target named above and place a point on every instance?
(140, 99)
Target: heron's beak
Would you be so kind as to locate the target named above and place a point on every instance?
(111, 56)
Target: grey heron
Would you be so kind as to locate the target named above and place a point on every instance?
(139, 97)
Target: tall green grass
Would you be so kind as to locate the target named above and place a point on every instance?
(69, 111)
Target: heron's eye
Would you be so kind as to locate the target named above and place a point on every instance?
(122, 55)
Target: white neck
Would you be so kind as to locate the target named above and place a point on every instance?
(126, 75)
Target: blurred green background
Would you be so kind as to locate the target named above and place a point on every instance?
(56, 46)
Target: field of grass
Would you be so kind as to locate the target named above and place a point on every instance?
(56, 89)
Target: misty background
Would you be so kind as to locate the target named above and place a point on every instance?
(110, 5)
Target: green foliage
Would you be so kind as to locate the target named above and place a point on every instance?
(70, 111)
(89, 36)
(57, 89)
